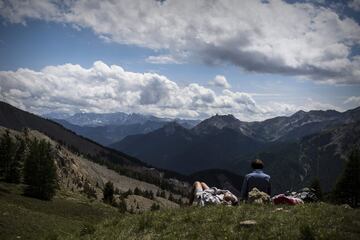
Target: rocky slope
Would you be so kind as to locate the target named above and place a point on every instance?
(13, 118)
(77, 174)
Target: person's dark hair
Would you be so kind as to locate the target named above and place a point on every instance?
(257, 164)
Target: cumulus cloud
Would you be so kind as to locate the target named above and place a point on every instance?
(220, 81)
(71, 88)
(300, 39)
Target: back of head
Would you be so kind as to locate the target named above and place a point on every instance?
(257, 164)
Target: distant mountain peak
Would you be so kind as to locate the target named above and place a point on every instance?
(299, 113)
(219, 122)
(224, 117)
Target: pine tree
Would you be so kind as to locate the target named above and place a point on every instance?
(151, 195)
(7, 152)
(347, 188)
(108, 192)
(18, 161)
(315, 184)
(40, 171)
(171, 197)
(162, 194)
(137, 191)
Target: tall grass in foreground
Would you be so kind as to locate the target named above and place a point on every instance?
(310, 221)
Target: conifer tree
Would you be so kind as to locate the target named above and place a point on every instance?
(162, 194)
(7, 152)
(137, 191)
(315, 184)
(347, 189)
(40, 171)
(108, 192)
(171, 197)
(18, 161)
(151, 195)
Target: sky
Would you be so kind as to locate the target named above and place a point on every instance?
(180, 59)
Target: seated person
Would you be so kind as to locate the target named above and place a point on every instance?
(203, 195)
(257, 179)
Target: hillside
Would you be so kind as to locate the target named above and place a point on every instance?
(78, 175)
(312, 221)
(322, 155)
(28, 218)
(13, 118)
(73, 216)
(17, 119)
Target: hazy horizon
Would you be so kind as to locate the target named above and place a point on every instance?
(54, 114)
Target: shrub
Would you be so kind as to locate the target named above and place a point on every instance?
(155, 207)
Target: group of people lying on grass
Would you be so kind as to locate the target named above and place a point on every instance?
(257, 183)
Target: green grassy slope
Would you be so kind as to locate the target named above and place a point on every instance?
(313, 221)
(75, 217)
(28, 218)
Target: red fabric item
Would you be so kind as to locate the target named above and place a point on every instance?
(282, 199)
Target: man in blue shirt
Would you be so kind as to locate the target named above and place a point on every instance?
(257, 179)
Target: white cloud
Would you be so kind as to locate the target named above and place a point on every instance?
(162, 59)
(70, 88)
(220, 81)
(354, 4)
(299, 39)
(353, 100)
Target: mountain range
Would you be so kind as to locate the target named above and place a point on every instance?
(290, 146)
(108, 128)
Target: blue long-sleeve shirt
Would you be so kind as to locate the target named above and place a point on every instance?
(257, 179)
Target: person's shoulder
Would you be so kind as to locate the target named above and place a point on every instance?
(249, 175)
(262, 174)
(266, 175)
